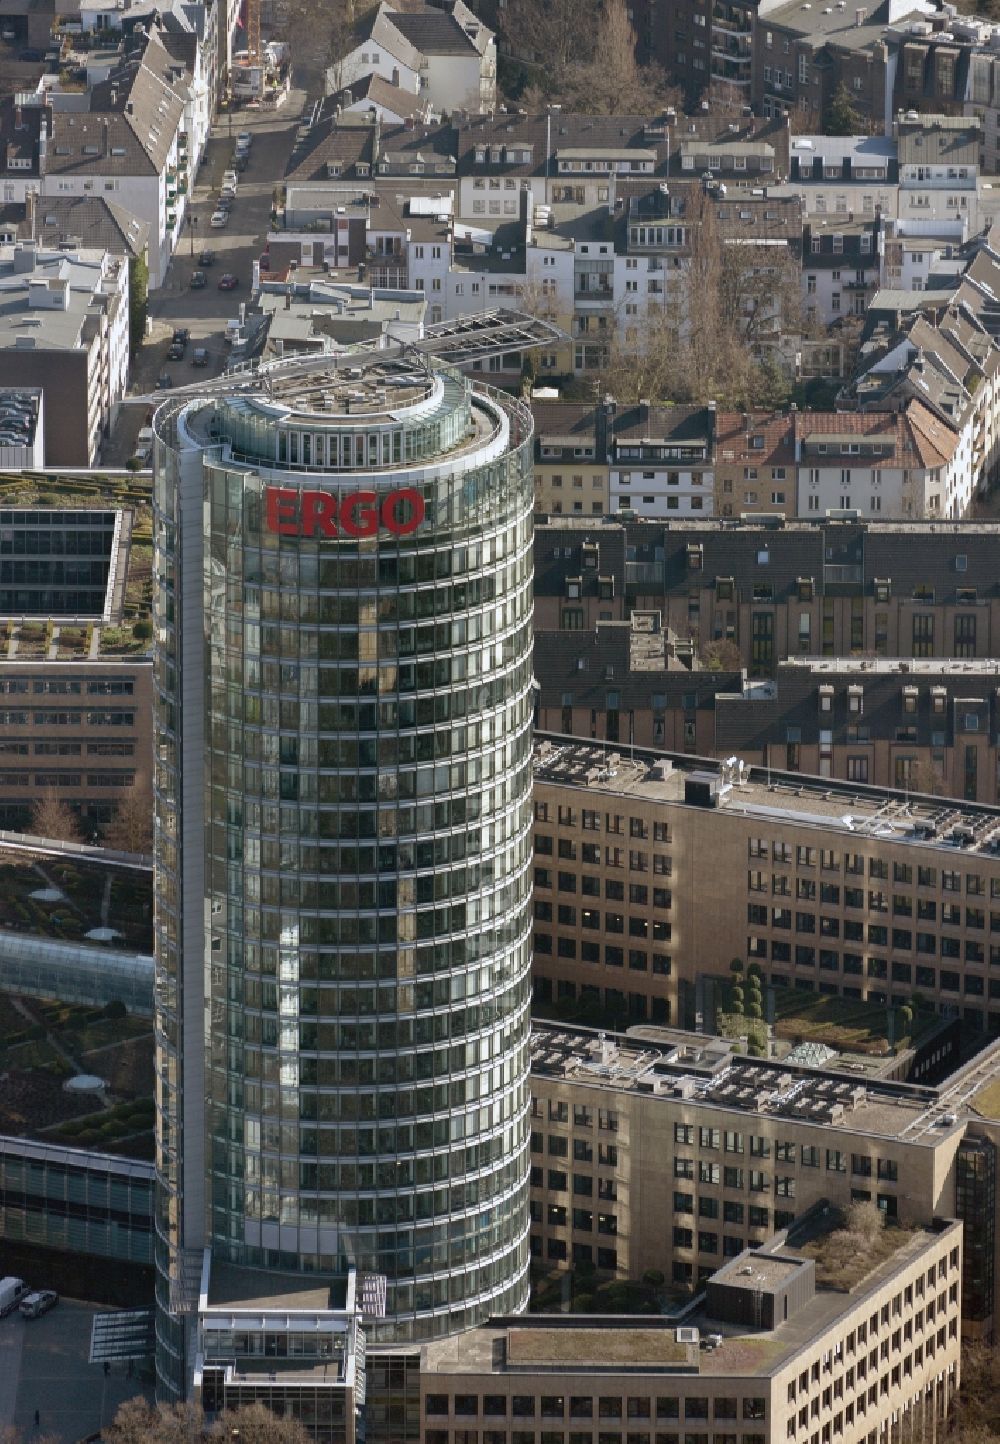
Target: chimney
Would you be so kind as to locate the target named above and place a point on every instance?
(18, 118)
(859, 17)
(30, 204)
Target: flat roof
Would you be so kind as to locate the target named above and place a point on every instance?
(760, 793)
(636, 1347)
(231, 1286)
(704, 1072)
(756, 1270)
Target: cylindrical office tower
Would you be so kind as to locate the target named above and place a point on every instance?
(343, 799)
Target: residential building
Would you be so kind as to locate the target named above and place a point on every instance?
(916, 724)
(920, 254)
(847, 176)
(755, 467)
(661, 459)
(907, 723)
(840, 268)
(390, 444)
(834, 588)
(938, 154)
(130, 142)
(852, 889)
(802, 58)
(64, 331)
(439, 50)
(571, 467)
(633, 682)
(871, 463)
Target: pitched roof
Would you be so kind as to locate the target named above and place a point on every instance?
(91, 222)
(434, 33)
(736, 431)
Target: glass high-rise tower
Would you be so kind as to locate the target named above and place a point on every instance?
(343, 794)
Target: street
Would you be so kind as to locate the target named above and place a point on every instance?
(235, 247)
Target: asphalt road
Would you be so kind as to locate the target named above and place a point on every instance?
(235, 247)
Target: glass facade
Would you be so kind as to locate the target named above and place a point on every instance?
(343, 839)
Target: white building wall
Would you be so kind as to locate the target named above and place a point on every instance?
(372, 59)
(872, 491)
(662, 492)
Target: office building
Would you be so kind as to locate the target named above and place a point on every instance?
(852, 890)
(778, 1351)
(64, 332)
(343, 852)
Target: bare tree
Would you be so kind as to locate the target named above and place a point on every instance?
(555, 37)
(53, 818)
(131, 826)
(715, 336)
(138, 1422)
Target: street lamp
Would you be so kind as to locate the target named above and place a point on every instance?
(192, 227)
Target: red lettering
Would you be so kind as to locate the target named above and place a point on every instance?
(290, 512)
(282, 505)
(319, 509)
(358, 516)
(394, 507)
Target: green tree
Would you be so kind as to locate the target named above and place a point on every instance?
(736, 966)
(138, 298)
(841, 116)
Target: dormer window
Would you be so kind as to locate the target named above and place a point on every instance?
(480, 155)
(695, 556)
(574, 588)
(856, 700)
(909, 699)
(725, 588)
(883, 589)
(807, 588)
(826, 699)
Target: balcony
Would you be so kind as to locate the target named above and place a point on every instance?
(733, 23)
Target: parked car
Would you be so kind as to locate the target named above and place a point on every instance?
(240, 161)
(12, 1291)
(230, 178)
(198, 280)
(228, 193)
(207, 258)
(38, 1303)
(176, 352)
(228, 282)
(199, 356)
(164, 381)
(245, 138)
(219, 218)
(181, 335)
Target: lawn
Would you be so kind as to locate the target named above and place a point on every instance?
(987, 1100)
(843, 1259)
(846, 1024)
(80, 909)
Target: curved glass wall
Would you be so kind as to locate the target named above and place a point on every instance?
(365, 755)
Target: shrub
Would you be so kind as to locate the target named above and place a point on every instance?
(142, 630)
(115, 1009)
(754, 1010)
(653, 1279)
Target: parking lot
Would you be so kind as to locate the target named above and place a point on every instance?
(44, 1366)
(234, 247)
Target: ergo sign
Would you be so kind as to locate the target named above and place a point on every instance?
(291, 512)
